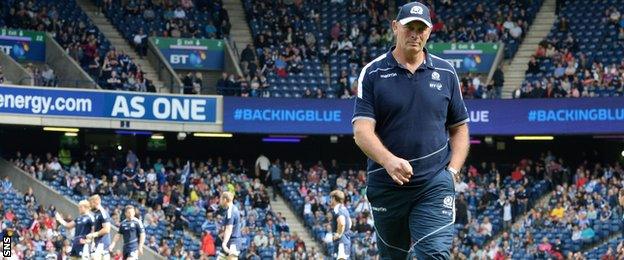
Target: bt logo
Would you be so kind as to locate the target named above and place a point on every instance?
(195, 59)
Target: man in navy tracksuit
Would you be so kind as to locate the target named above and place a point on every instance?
(410, 120)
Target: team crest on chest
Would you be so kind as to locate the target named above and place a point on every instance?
(435, 76)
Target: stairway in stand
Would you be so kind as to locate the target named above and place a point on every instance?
(514, 72)
(120, 44)
(295, 224)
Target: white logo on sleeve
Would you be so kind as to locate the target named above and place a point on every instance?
(389, 75)
(435, 76)
(417, 10)
(380, 209)
(449, 202)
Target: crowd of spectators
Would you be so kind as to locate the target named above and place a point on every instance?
(42, 237)
(473, 87)
(491, 204)
(43, 75)
(613, 249)
(574, 62)
(119, 72)
(80, 39)
(496, 215)
(34, 232)
(181, 195)
(193, 83)
(292, 39)
(583, 209)
(307, 189)
(179, 19)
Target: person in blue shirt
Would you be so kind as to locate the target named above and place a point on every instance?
(83, 226)
(232, 239)
(410, 120)
(6, 184)
(341, 225)
(101, 234)
(133, 232)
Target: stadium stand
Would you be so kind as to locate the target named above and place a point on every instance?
(581, 56)
(308, 196)
(487, 212)
(613, 249)
(293, 42)
(180, 19)
(482, 21)
(497, 214)
(176, 200)
(35, 232)
(77, 35)
(581, 212)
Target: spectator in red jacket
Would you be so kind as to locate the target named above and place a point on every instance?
(208, 244)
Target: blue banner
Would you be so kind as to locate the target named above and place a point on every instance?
(287, 116)
(488, 117)
(547, 116)
(107, 104)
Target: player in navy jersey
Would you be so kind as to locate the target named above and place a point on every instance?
(101, 234)
(133, 234)
(83, 226)
(232, 240)
(341, 225)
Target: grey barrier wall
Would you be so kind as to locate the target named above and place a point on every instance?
(68, 71)
(14, 72)
(165, 72)
(47, 196)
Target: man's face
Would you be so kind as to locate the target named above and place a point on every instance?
(412, 37)
(129, 213)
(223, 202)
(82, 209)
(94, 203)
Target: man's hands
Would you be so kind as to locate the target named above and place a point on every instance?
(399, 169)
(140, 251)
